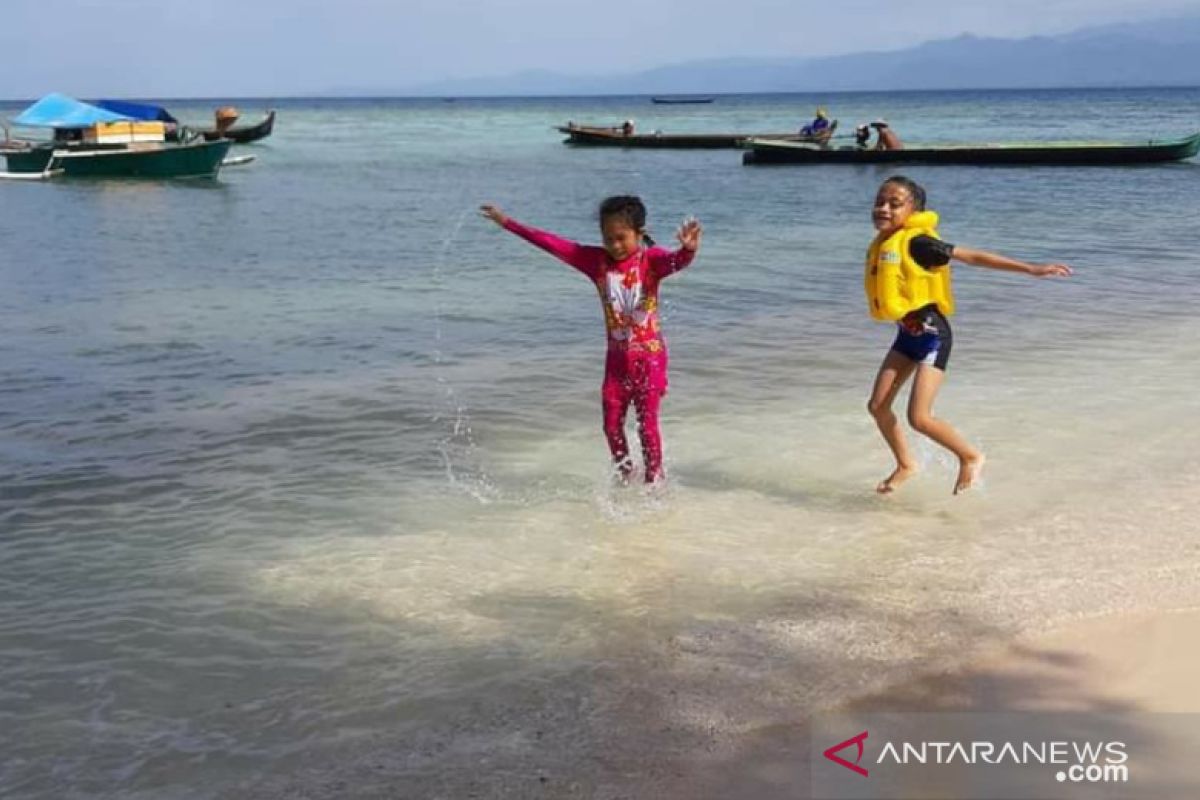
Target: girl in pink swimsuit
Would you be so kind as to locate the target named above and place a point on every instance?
(626, 272)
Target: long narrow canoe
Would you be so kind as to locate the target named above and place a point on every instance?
(680, 100)
(770, 151)
(614, 137)
(246, 133)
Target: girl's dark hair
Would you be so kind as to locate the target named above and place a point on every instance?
(915, 189)
(629, 209)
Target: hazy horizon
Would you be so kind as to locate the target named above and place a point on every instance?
(140, 48)
(301, 98)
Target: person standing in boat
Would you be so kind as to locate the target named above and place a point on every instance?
(907, 281)
(887, 138)
(627, 271)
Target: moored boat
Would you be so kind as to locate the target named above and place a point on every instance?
(677, 100)
(1089, 153)
(93, 142)
(588, 135)
(247, 133)
(196, 159)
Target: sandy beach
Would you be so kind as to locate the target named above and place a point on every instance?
(1128, 665)
(1134, 662)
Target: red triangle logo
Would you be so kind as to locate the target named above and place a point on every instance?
(832, 753)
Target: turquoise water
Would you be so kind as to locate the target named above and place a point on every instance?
(302, 483)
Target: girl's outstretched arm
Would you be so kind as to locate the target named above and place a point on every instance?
(664, 262)
(689, 234)
(494, 214)
(588, 260)
(982, 258)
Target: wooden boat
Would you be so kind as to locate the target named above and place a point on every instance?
(615, 137)
(680, 100)
(246, 133)
(253, 133)
(95, 142)
(771, 151)
(197, 159)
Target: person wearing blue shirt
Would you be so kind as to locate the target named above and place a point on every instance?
(819, 125)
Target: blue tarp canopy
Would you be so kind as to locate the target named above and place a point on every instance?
(60, 111)
(143, 111)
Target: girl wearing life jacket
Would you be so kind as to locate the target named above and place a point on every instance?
(907, 281)
(626, 272)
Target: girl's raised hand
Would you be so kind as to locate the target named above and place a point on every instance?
(1051, 271)
(689, 233)
(494, 214)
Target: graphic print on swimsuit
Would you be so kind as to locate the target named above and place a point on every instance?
(625, 298)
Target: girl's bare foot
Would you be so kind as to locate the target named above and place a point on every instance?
(968, 472)
(892, 482)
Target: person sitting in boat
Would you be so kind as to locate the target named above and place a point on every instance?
(627, 128)
(818, 127)
(862, 136)
(888, 140)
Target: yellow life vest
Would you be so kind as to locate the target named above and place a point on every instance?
(895, 283)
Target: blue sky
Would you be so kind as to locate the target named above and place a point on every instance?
(229, 48)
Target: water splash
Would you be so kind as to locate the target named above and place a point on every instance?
(461, 456)
(631, 499)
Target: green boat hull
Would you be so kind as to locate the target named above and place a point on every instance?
(28, 162)
(1048, 154)
(192, 160)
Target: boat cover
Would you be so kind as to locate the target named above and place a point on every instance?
(143, 111)
(60, 111)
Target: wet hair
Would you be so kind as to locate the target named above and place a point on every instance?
(629, 209)
(915, 190)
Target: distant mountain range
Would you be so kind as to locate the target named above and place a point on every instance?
(1157, 53)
